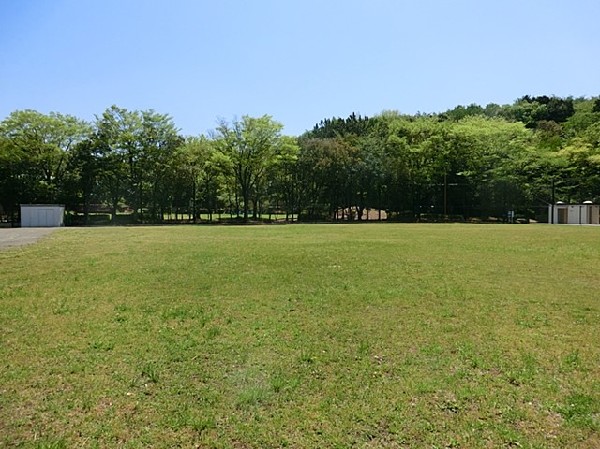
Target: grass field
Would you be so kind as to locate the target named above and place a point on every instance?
(330, 336)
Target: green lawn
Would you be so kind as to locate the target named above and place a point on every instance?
(330, 336)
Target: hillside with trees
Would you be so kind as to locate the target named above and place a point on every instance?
(468, 163)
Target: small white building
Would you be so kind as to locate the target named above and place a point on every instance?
(586, 213)
(42, 215)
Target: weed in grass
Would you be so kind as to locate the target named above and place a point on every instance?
(281, 382)
(450, 406)
(469, 356)
(150, 372)
(179, 313)
(51, 444)
(524, 372)
(60, 308)
(252, 395)
(581, 410)
(101, 345)
(581, 319)
(363, 348)
(571, 362)
(201, 424)
(530, 365)
(278, 382)
(213, 332)
(178, 418)
(513, 415)
(448, 313)
(122, 308)
(424, 387)
(76, 368)
(532, 321)
(306, 357)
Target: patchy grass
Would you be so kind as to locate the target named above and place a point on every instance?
(302, 336)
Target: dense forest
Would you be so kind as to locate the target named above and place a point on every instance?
(467, 163)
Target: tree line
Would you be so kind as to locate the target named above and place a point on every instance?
(467, 162)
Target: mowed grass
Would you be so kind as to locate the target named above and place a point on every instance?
(328, 336)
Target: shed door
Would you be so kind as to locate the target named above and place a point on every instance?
(563, 216)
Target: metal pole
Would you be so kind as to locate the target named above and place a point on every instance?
(445, 196)
(553, 202)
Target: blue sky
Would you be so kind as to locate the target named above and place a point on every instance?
(297, 60)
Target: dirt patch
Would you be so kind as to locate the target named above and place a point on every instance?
(12, 237)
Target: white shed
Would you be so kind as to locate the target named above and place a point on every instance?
(42, 215)
(586, 213)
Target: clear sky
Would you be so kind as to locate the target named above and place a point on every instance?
(297, 60)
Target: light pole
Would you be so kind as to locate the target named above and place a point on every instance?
(553, 202)
(445, 195)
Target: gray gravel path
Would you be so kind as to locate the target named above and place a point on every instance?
(11, 237)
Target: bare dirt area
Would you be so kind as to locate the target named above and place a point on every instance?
(12, 237)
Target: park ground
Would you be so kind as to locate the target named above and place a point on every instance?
(368, 335)
(15, 237)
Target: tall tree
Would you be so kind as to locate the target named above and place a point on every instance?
(159, 141)
(283, 185)
(85, 171)
(118, 134)
(204, 167)
(250, 143)
(139, 147)
(36, 149)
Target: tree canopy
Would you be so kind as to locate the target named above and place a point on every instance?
(468, 162)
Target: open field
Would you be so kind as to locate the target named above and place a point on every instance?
(406, 336)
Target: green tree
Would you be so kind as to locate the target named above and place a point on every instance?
(251, 144)
(118, 132)
(532, 110)
(205, 168)
(283, 177)
(85, 171)
(159, 141)
(138, 152)
(36, 150)
(586, 114)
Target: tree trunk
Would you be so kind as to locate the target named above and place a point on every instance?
(245, 198)
(194, 200)
(86, 208)
(114, 212)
